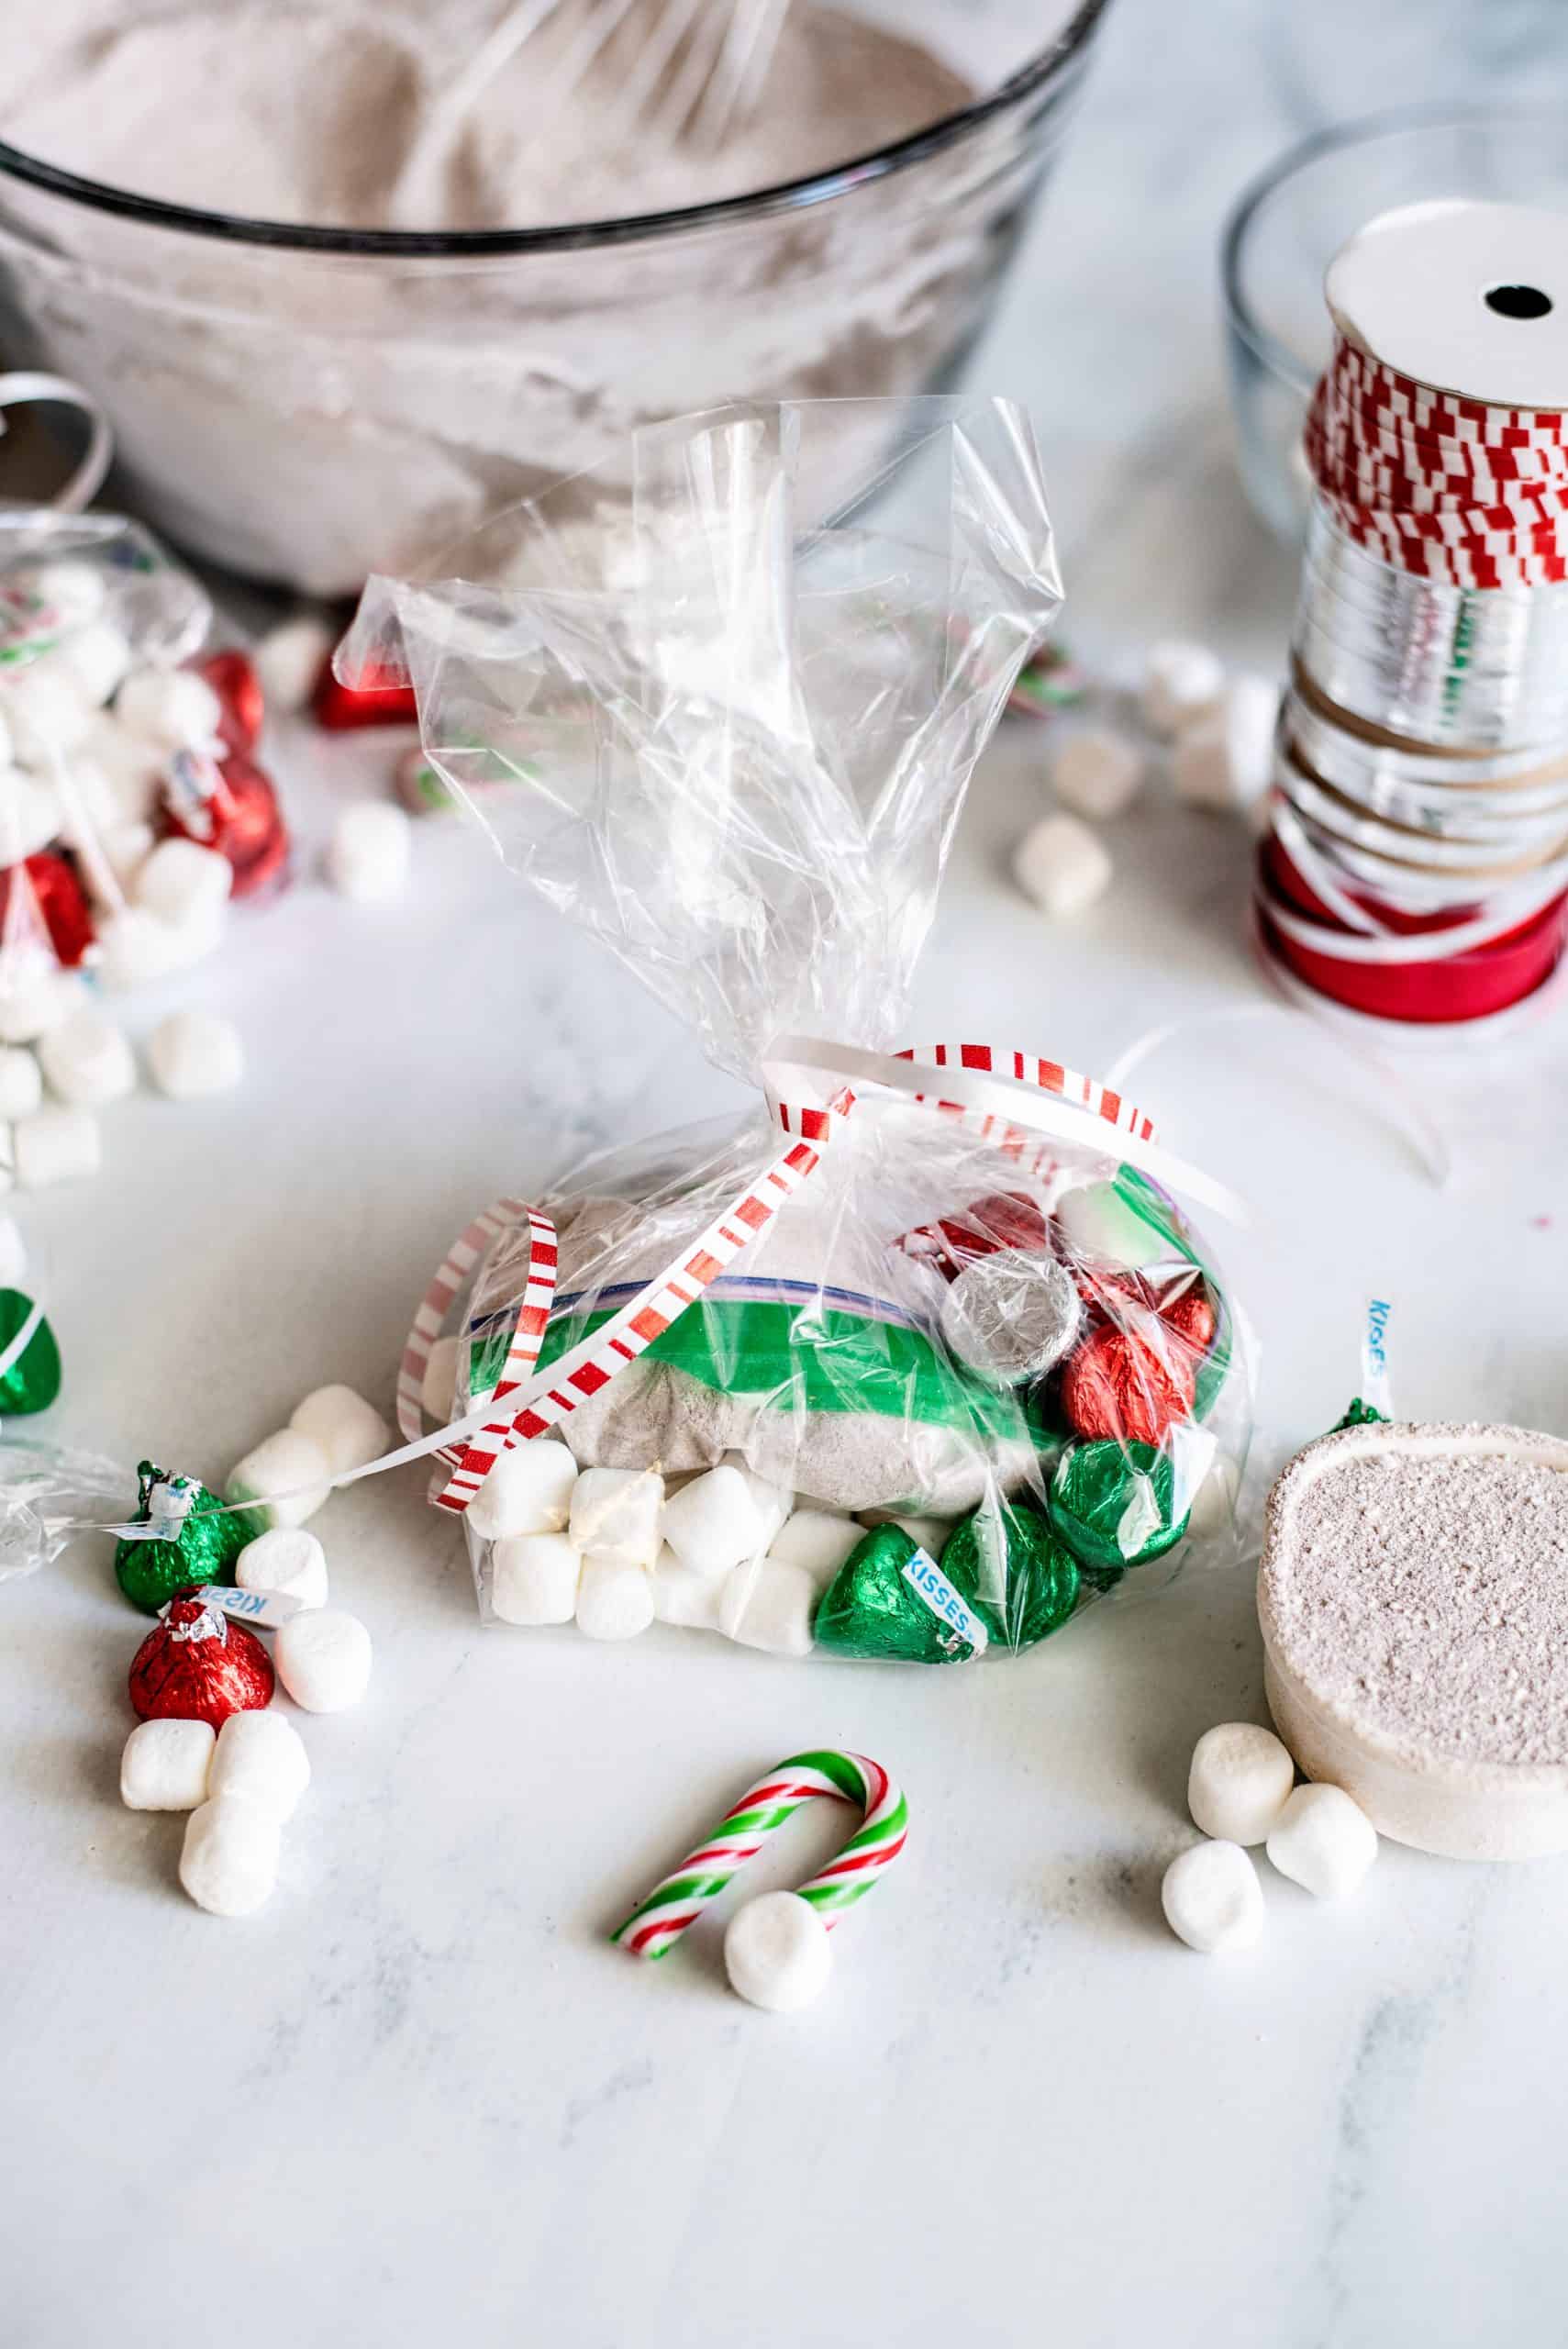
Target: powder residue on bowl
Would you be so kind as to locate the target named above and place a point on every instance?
(309, 116)
(1424, 1595)
(311, 416)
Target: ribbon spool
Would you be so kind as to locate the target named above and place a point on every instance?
(1416, 867)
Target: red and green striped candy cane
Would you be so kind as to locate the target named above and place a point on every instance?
(657, 1923)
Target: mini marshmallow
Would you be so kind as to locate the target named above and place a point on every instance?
(772, 1501)
(684, 1595)
(12, 1253)
(1212, 1898)
(133, 768)
(192, 1054)
(528, 1491)
(56, 1146)
(614, 1599)
(290, 658)
(134, 946)
(261, 1757)
(230, 1863)
(289, 1464)
(438, 1390)
(88, 1060)
(770, 1606)
(1227, 760)
(182, 882)
(126, 848)
(1323, 1840)
(351, 1431)
(615, 1513)
(21, 1082)
(1182, 683)
(164, 1765)
(47, 711)
(776, 1952)
(173, 709)
(98, 657)
(75, 590)
(323, 1658)
(818, 1538)
(367, 858)
(88, 801)
(1096, 1220)
(289, 1559)
(1062, 866)
(534, 1577)
(1098, 774)
(31, 816)
(37, 1001)
(1240, 1781)
(715, 1521)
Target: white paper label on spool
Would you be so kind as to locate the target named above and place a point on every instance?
(1471, 299)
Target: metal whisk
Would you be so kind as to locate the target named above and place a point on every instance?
(697, 72)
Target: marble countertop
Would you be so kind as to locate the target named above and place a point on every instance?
(418, 2096)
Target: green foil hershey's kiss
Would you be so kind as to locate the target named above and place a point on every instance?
(32, 1382)
(201, 1546)
(1014, 1572)
(1114, 1505)
(871, 1608)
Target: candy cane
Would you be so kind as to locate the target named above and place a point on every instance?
(657, 1923)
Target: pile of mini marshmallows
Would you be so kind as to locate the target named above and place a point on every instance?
(241, 1787)
(118, 727)
(615, 1550)
(1221, 731)
(1242, 1790)
(87, 1063)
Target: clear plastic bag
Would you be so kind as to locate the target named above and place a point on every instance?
(84, 599)
(965, 1363)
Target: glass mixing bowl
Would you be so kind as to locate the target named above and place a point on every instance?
(308, 405)
(1288, 225)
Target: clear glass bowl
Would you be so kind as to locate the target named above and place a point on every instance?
(1289, 223)
(306, 406)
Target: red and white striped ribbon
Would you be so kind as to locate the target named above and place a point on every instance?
(481, 1451)
(590, 1365)
(454, 1270)
(1443, 488)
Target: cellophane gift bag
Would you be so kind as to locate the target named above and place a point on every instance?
(922, 1355)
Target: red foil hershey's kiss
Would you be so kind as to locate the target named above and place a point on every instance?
(195, 1665)
(1190, 1317)
(233, 679)
(376, 703)
(1117, 1386)
(62, 901)
(228, 805)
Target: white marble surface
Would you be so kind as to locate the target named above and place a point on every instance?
(418, 2097)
